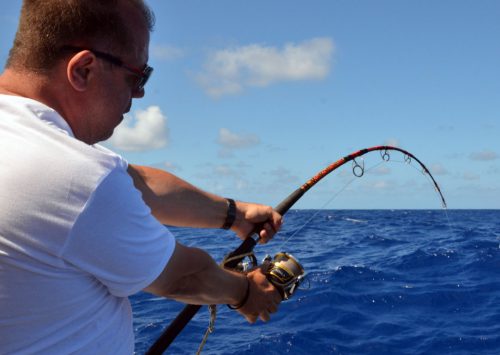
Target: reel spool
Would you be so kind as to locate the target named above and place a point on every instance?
(285, 272)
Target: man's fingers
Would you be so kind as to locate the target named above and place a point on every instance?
(277, 220)
(266, 233)
(278, 298)
(272, 308)
(264, 316)
(264, 301)
(251, 318)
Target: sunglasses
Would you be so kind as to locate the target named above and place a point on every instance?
(142, 74)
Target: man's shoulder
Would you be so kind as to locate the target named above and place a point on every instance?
(45, 156)
(35, 131)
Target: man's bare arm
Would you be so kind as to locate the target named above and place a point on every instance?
(174, 201)
(192, 276)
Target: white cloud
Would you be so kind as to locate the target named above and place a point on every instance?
(438, 169)
(229, 71)
(221, 178)
(242, 185)
(171, 166)
(493, 170)
(485, 155)
(224, 170)
(381, 185)
(470, 176)
(393, 142)
(283, 175)
(454, 156)
(165, 52)
(147, 131)
(230, 140)
(381, 170)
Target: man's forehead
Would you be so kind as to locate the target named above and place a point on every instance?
(138, 28)
(132, 14)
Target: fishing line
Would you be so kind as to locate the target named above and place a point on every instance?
(423, 172)
(454, 232)
(450, 225)
(454, 235)
(385, 159)
(358, 171)
(327, 203)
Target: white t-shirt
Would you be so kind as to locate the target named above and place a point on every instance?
(76, 238)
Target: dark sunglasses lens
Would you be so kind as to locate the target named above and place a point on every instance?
(144, 78)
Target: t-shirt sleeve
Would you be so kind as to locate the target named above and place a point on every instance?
(117, 240)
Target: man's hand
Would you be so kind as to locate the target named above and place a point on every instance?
(263, 298)
(175, 202)
(248, 215)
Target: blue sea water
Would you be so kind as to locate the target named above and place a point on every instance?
(380, 282)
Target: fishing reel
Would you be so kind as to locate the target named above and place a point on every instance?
(283, 270)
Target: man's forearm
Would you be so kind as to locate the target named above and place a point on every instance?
(192, 276)
(174, 201)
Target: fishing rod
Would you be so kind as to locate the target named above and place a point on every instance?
(234, 259)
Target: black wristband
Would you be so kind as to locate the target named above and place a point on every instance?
(231, 214)
(245, 298)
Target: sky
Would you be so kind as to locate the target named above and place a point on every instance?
(249, 99)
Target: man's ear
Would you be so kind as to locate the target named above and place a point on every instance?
(81, 67)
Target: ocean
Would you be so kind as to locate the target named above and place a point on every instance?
(379, 282)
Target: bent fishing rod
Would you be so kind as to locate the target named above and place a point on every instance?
(246, 247)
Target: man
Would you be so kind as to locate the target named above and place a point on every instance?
(80, 229)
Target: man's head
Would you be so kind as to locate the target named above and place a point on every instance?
(87, 59)
(47, 25)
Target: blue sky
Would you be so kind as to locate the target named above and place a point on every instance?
(249, 99)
